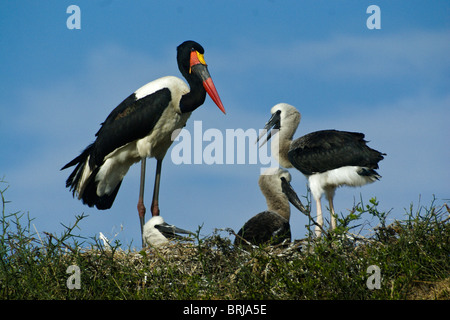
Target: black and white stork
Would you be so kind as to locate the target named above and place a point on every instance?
(143, 125)
(328, 158)
(271, 226)
(157, 232)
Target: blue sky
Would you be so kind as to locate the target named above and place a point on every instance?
(57, 85)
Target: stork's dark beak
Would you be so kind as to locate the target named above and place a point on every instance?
(273, 123)
(198, 66)
(291, 195)
(170, 231)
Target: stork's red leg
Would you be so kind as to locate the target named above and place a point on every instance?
(140, 206)
(155, 205)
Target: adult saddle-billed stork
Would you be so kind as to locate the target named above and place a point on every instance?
(328, 158)
(271, 226)
(143, 125)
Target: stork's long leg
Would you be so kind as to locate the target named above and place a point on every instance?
(330, 195)
(318, 230)
(333, 214)
(155, 205)
(140, 205)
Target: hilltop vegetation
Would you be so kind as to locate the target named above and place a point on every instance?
(411, 256)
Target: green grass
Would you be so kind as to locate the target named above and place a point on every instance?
(412, 254)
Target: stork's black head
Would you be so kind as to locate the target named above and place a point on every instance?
(285, 115)
(273, 123)
(193, 67)
(184, 53)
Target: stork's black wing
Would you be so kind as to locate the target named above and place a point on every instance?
(265, 227)
(130, 120)
(325, 150)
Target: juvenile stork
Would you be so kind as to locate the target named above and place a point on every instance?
(271, 226)
(328, 158)
(141, 126)
(157, 232)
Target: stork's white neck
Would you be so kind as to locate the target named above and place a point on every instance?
(270, 185)
(279, 204)
(280, 147)
(289, 121)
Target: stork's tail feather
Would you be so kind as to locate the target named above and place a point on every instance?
(90, 197)
(83, 184)
(371, 173)
(75, 177)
